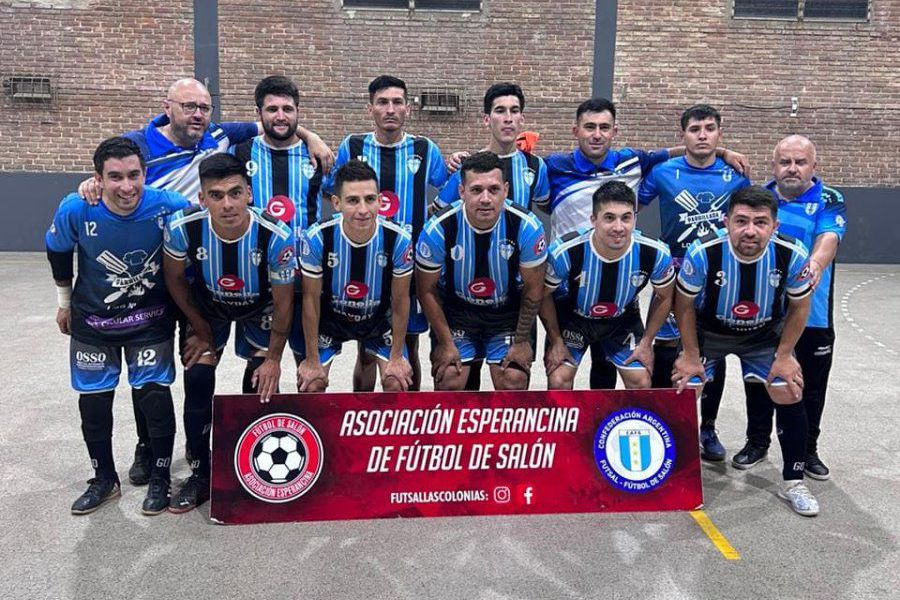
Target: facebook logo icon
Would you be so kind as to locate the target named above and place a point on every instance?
(525, 495)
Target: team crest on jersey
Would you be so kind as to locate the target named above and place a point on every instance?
(540, 245)
(278, 458)
(413, 163)
(456, 253)
(307, 169)
(727, 174)
(161, 221)
(507, 247)
(811, 208)
(130, 275)
(382, 259)
(687, 267)
(287, 257)
(423, 250)
(252, 168)
(255, 257)
(775, 276)
(638, 279)
(528, 176)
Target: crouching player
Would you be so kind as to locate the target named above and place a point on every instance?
(119, 305)
(745, 290)
(356, 273)
(595, 275)
(480, 271)
(244, 262)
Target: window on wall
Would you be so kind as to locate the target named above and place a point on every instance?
(458, 5)
(836, 10)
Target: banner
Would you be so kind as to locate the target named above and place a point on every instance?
(306, 457)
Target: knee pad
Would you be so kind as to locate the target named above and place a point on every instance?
(155, 401)
(96, 416)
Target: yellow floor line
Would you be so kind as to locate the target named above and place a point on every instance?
(715, 536)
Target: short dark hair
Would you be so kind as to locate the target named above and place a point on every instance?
(116, 147)
(383, 82)
(754, 196)
(480, 162)
(699, 112)
(597, 105)
(222, 165)
(612, 191)
(276, 85)
(353, 170)
(502, 89)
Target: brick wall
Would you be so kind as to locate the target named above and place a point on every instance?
(110, 63)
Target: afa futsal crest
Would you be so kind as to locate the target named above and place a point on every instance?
(278, 458)
(634, 450)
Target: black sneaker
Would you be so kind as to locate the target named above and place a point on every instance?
(711, 448)
(139, 473)
(157, 499)
(749, 456)
(193, 493)
(98, 492)
(815, 468)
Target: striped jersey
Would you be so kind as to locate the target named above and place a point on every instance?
(233, 277)
(599, 288)
(692, 200)
(172, 167)
(405, 170)
(574, 179)
(120, 294)
(733, 296)
(525, 173)
(819, 210)
(283, 181)
(481, 268)
(356, 278)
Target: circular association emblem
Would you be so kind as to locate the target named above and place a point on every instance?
(278, 458)
(634, 450)
(281, 208)
(356, 290)
(231, 283)
(389, 204)
(482, 287)
(745, 309)
(604, 309)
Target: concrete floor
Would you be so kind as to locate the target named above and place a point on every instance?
(849, 551)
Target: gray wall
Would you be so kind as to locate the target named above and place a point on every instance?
(871, 214)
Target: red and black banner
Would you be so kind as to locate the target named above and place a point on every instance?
(306, 457)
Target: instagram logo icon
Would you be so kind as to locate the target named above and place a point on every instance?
(501, 494)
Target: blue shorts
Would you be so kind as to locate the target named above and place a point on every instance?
(374, 335)
(96, 368)
(756, 352)
(252, 333)
(417, 321)
(491, 346)
(669, 330)
(297, 343)
(618, 337)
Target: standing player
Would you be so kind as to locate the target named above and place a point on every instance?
(595, 275)
(406, 165)
(814, 213)
(283, 180)
(693, 192)
(119, 305)
(487, 255)
(244, 263)
(732, 291)
(356, 273)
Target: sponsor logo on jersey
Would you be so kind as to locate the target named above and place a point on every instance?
(307, 169)
(130, 276)
(604, 309)
(281, 207)
(507, 247)
(528, 176)
(775, 276)
(389, 204)
(413, 163)
(356, 290)
(287, 257)
(482, 287)
(745, 309)
(90, 361)
(634, 450)
(456, 253)
(572, 338)
(408, 257)
(278, 458)
(701, 213)
(231, 283)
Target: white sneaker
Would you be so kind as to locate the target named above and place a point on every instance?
(800, 498)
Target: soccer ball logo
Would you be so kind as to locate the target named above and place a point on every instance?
(278, 457)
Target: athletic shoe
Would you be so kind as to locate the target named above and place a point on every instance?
(749, 456)
(815, 468)
(192, 494)
(99, 491)
(800, 498)
(139, 473)
(157, 499)
(711, 448)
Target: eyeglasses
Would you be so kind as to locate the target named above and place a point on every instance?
(192, 107)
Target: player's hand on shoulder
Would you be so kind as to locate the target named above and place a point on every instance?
(739, 162)
(454, 162)
(320, 153)
(90, 191)
(64, 320)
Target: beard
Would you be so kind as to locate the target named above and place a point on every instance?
(281, 137)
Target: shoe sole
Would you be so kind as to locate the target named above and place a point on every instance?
(153, 513)
(817, 476)
(117, 494)
(712, 457)
(746, 466)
